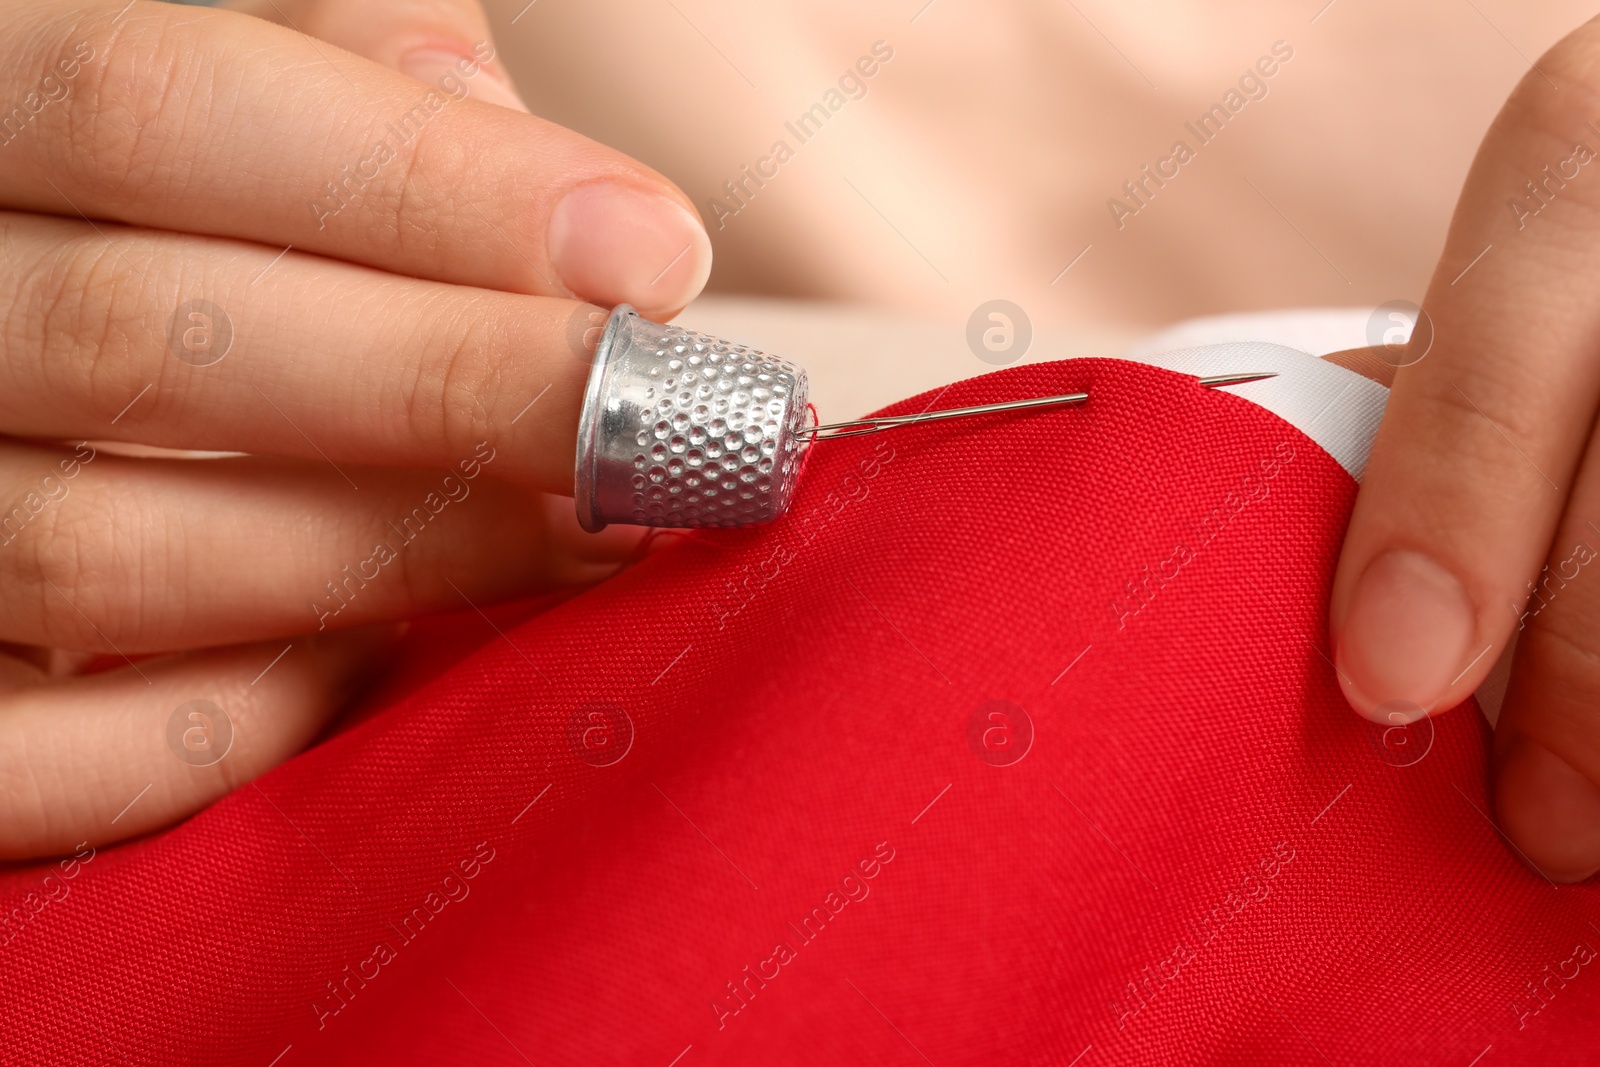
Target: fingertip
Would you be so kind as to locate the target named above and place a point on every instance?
(1405, 635)
(1353, 694)
(612, 242)
(1548, 809)
(1381, 712)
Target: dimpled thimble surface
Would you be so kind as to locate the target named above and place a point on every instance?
(679, 429)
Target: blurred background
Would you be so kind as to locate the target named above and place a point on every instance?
(980, 160)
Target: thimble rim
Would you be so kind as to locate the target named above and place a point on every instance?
(585, 481)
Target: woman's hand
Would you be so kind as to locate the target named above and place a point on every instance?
(1484, 482)
(220, 234)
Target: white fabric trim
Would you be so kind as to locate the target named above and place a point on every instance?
(1335, 407)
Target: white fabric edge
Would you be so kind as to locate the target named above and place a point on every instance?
(1334, 406)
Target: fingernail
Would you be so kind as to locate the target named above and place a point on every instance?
(1550, 810)
(614, 244)
(1405, 637)
(458, 75)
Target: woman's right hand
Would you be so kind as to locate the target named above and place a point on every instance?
(220, 234)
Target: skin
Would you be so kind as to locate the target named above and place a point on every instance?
(399, 341)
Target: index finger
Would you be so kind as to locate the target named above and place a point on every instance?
(217, 123)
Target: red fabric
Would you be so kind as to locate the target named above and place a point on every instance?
(1203, 856)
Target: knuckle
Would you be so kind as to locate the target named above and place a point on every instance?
(1558, 656)
(397, 192)
(414, 201)
(1474, 438)
(25, 813)
(46, 565)
(82, 561)
(446, 198)
(77, 316)
(452, 398)
(1568, 660)
(131, 102)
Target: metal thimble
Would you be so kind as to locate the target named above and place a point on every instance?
(679, 429)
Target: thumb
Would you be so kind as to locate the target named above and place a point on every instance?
(1480, 461)
(445, 43)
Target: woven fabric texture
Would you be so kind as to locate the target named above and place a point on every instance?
(1014, 742)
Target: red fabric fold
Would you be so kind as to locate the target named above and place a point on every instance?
(1016, 741)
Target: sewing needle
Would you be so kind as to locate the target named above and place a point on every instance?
(857, 427)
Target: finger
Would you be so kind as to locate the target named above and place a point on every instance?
(424, 39)
(1547, 741)
(200, 343)
(109, 756)
(213, 122)
(128, 556)
(1471, 465)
